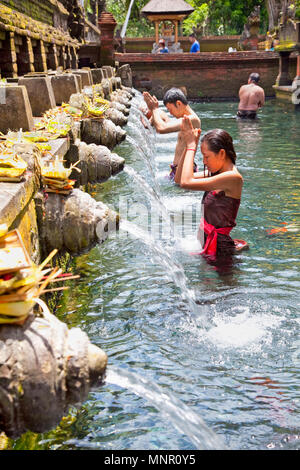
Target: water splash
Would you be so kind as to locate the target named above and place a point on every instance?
(146, 159)
(173, 269)
(180, 415)
(139, 133)
(151, 193)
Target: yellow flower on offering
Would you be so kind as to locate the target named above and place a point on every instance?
(3, 230)
(56, 170)
(12, 166)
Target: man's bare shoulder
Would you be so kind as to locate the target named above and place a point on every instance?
(196, 121)
(261, 90)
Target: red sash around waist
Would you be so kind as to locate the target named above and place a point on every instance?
(210, 247)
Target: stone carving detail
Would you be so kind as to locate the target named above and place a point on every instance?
(44, 368)
(249, 37)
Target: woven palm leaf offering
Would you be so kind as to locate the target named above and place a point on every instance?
(27, 142)
(88, 105)
(12, 166)
(56, 177)
(75, 112)
(39, 136)
(56, 122)
(97, 107)
(21, 281)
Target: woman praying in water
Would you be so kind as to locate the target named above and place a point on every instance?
(221, 182)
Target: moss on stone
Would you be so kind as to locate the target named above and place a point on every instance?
(286, 46)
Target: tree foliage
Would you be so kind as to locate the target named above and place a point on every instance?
(198, 18)
(138, 25)
(229, 16)
(217, 16)
(297, 11)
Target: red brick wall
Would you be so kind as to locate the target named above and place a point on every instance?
(205, 75)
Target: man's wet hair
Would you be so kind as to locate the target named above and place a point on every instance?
(192, 35)
(254, 77)
(173, 95)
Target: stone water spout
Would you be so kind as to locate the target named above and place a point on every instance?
(101, 132)
(73, 223)
(44, 368)
(97, 163)
(125, 73)
(116, 116)
(120, 107)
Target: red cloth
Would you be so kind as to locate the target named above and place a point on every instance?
(211, 231)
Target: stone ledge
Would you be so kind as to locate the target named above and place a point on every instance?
(14, 197)
(284, 92)
(203, 57)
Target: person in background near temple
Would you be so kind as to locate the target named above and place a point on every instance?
(162, 47)
(252, 97)
(195, 47)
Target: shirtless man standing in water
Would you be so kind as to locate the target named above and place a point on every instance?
(252, 97)
(177, 104)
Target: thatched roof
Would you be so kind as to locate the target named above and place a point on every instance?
(158, 7)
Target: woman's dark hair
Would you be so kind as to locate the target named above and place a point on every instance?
(173, 95)
(218, 139)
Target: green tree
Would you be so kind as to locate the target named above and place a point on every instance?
(219, 16)
(138, 26)
(231, 15)
(198, 18)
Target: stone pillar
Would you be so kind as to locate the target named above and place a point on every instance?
(15, 110)
(40, 94)
(25, 57)
(62, 59)
(52, 57)
(63, 87)
(176, 32)
(30, 54)
(297, 78)
(107, 25)
(296, 84)
(283, 78)
(40, 60)
(97, 75)
(74, 58)
(156, 31)
(8, 56)
(68, 57)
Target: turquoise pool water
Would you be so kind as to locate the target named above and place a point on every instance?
(234, 361)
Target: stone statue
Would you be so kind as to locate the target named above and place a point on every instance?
(249, 38)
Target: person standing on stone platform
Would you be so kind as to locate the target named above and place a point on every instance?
(252, 97)
(162, 47)
(177, 105)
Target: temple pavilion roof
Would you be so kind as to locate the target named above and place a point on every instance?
(165, 7)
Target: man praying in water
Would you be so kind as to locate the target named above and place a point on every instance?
(252, 97)
(177, 104)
